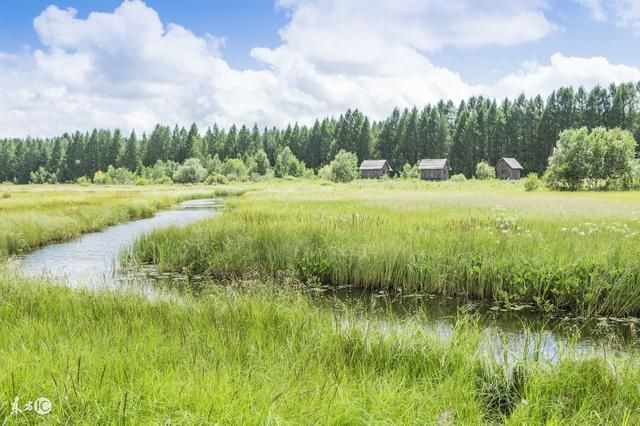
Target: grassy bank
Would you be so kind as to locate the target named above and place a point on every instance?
(35, 215)
(483, 241)
(263, 355)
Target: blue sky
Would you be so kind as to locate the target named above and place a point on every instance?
(244, 23)
(111, 63)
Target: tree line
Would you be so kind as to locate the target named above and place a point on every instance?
(478, 129)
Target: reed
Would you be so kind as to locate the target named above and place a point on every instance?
(485, 242)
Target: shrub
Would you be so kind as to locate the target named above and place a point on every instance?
(532, 182)
(344, 167)
(594, 158)
(235, 169)
(325, 173)
(288, 165)
(261, 164)
(42, 176)
(216, 178)
(485, 171)
(458, 178)
(308, 174)
(120, 176)
(83, 181)
(164, 180)
(190, 172)
(5, 195)
(101, 178)
(142, 181)
(410, 172)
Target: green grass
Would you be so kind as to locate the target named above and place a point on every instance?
(35, 215)
(492, 241)
(264, 355)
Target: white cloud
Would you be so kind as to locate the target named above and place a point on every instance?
(596, 9)
(624, 13)
(564, 71)
(128, 69)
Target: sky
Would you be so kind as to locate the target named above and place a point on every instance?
(70, 65)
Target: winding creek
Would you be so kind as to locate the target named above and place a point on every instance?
(93, 261)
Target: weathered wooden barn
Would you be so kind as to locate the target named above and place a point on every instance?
(508, 168)
(434, 169)
(375, 169)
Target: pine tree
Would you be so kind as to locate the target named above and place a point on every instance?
(129, 158)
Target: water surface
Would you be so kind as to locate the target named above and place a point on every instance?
(93, 260)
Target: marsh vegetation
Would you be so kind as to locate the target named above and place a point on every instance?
(252, 345)
(481, 241)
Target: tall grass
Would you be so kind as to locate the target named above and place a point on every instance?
(35, 215)
(575, 251)
(258, 354)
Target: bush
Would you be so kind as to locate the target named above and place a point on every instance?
(235, 169)
(344, 167)
(485, 171)
(190, 172)
(216, 178)
(142, 181)
(5, 195)
(532, 182)
(120, 176)
(101, 178)
(288, 165)
(458, 178)
(325, 173)
(83, 181)
(164, 180)
(261, 164)
(593, 158)
(42, 176)
(410, 172)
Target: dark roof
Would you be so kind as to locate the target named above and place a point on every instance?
(374, 165)
(513, 163)
(434, 164)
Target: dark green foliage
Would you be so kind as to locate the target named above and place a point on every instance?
(479, 129)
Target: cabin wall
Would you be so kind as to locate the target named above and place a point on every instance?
(441, 174)
(503, 171)
(371, 174)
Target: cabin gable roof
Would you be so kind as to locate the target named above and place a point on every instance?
(375, 165)
(434, 164)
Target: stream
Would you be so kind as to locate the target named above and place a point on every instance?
(93, 261)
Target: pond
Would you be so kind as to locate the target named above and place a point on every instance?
(93, 261)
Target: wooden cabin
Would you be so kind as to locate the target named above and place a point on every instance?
(434, 169)
(508, 168)
(375, 169)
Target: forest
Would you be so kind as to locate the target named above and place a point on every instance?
(478, 129)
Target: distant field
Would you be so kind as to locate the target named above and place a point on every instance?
(483, 241)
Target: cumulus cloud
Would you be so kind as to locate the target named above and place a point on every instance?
(128, 69)
(564, 71)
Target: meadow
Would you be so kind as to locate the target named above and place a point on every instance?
(475, 240)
